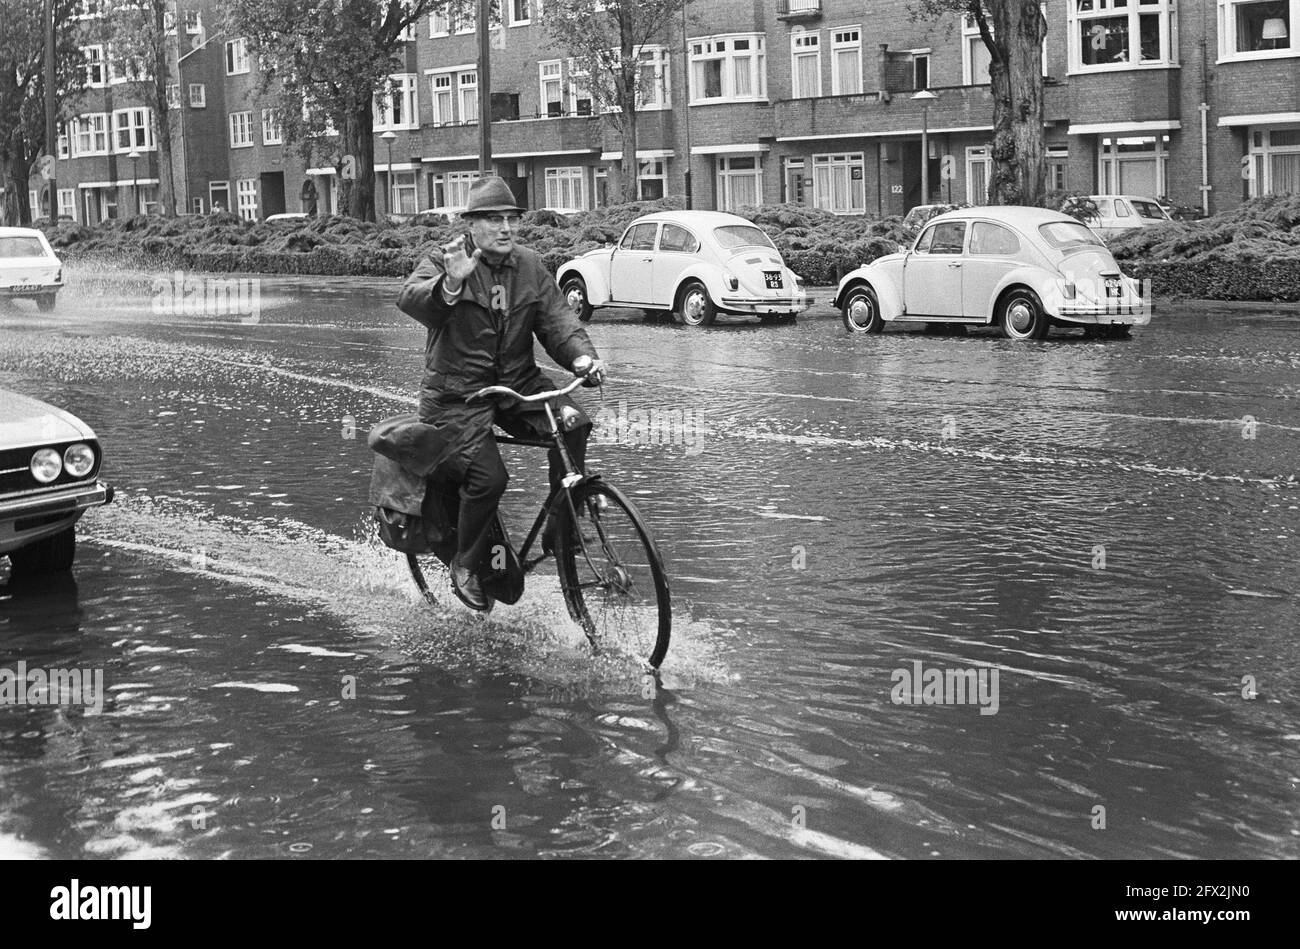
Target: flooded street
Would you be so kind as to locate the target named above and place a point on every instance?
(1111, 526)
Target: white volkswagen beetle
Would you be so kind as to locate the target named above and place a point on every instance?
(694, 264)
(1022, 269)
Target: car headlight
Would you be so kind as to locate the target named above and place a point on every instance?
(46, 465)
(79, 459)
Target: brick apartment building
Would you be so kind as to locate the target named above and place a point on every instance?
(807, 101)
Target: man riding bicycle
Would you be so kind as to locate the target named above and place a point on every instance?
(482, 300)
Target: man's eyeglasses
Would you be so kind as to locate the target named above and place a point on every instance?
(497, 220)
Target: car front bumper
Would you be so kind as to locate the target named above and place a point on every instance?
(24, 520)
(29, 289)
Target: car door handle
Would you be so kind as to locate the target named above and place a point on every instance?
(956, 263)
(646, 260)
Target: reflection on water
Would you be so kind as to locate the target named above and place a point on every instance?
(1099, 522)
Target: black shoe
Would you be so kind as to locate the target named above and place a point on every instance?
(465, 585)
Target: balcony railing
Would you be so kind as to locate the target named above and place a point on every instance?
(798, 9)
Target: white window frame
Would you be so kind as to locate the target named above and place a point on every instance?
(652, 169)
(835, 165)
(67, 203)
(404, 182)
(95, 65)
(576, 89)
(449, 76)
(805, 44)
(220, 186)
(725, 175)
(971, 31)
(272, 134)
(1228, 33)
(405, 86)
(193, 22)
(63, 142)
(408, 32)
(978, 156)
(126, 68)
(1077, 23)
(550, 72)
(201, 100)
(522, 21)
(241, 129)
(237, 56)
(917, 58)
(846, 40)
(467, 92)
(458, 182)
(246, 198)
(1108, 178)
(1260, 147)
(34, 202)
(1054, 156)
(439, 24)
(91, 127)
(566, 187)
(173, 95)
(139, 125)
(656, 58)
(89, 10)
(705, 49)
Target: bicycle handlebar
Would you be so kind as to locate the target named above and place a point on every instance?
(539, 397)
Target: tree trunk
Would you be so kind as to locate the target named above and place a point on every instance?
(162, 117)
(631, 167)
(1019, 173)
(17, 207)
(358, 195)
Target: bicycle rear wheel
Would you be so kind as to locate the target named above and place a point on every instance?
(612, 574)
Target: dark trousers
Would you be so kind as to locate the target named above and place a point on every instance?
(485, 483)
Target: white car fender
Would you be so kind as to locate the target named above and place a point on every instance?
(594, 272)
(706, 273)
(887, 295)
(1041, 281)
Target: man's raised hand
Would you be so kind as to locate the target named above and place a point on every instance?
(457, 263)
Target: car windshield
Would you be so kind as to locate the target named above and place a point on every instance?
(1063, 234)
(21, 247)
(741, 235)
(1148, 209)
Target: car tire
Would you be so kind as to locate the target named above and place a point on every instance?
(1021, 316)
(574, 290)
(45, 302)
(51, 555)
(694, 308)
(861, 310)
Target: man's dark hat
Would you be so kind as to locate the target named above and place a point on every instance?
(490, 195)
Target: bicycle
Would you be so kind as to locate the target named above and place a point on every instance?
(610, 569)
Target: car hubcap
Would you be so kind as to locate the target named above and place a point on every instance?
(575, 299)
(860, 311)
(694, 306)
(1021, 317)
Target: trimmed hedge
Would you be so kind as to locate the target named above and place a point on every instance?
(1272, 281)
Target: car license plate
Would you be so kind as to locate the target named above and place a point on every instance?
(1112, 288)
(772, 279)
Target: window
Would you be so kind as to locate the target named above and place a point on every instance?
(457, 187)
(62, 147)
(943, 238)
(271, 134)
(552, 95)
(169, 18)
(740, 181)
(1119, 34)
(241, 129)
(125, 68)
(219, 195)
(846, 62)
(95, 77)
(839, 183)
(805, 65)
(91, 135)
(640, 237)
(566, 187)
(1057, 158)
(1133, 165)
(1252, 29)
(579, 95)
(404, 192)
(653, 90)
(198, 95)
(677, 239)
(173, 95)
(975, 55)
(993, 240)
(236, 56)
(979, 166)
(34, 203)
(439, 24)
(518, 12)
(468, 84)
(193, 25)
(89, 10)
(651, 179)
(133, 129)
(407, 33)
(67, 203)
(731, 67)
(921, 71)
(396, 107)
(444, 98)
(1274, 165)
(246, 188)
(196, 205)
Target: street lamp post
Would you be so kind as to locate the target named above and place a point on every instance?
(925, 97)
(135, 181)
(390, 136)
(686, 110)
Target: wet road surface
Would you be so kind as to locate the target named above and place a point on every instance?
(1100, 522)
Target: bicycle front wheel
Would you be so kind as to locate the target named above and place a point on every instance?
(612, 575)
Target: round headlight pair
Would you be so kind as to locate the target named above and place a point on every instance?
(47, 463)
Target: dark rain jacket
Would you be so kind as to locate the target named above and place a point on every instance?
(486, 338)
